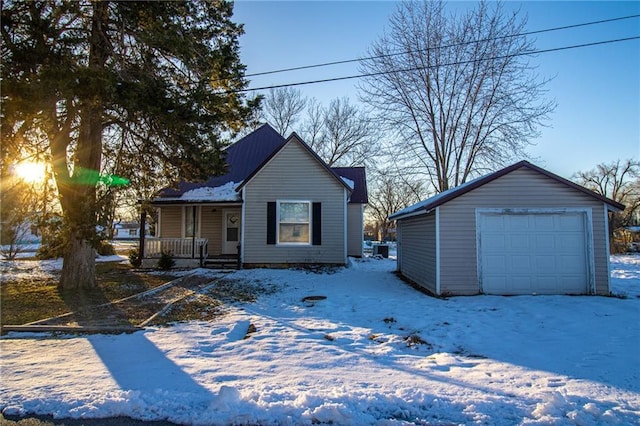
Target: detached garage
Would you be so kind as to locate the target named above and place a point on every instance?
(521, 230)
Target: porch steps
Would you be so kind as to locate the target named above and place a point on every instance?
(221, 262)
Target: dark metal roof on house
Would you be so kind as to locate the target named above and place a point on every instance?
(242, 158)
(248, 155)
(295, 137)
(448, 195)
(358, 176)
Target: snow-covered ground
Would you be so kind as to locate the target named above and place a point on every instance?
(375, 351)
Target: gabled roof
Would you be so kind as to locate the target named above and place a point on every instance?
(448, 195)
(359, 178)
(244, 159)
(294, 137)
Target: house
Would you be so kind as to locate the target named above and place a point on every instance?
(520, 230)
(279, 204)
(127, 230)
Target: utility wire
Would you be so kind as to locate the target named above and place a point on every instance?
(351, 77)
(347, 61)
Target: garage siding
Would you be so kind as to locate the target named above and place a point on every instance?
(522, 188)
(417, 250)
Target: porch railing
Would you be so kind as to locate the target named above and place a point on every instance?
(189, 248)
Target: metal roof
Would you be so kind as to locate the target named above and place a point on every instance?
(430, 203)
(248, 155)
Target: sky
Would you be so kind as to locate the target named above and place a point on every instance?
(597, 89)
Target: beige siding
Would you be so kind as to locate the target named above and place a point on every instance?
(522, 188)
(417, 250)
(211, 228)
(293, 174)
(355, 229)
(171, 222)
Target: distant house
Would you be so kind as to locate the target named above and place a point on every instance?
(521, 230)
(127, 230)
(278, 205)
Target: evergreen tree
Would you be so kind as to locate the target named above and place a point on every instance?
(152, 81)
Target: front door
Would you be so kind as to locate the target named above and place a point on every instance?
(230, 231)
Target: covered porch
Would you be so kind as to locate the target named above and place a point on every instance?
(202, 234)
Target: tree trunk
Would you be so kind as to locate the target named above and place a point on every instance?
(78, 270)
(79, 267)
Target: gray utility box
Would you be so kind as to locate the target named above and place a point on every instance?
(382, 250)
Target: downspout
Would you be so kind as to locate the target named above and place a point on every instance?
(346, 235)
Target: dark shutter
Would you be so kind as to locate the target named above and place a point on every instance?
(271, 222)
(316, 226)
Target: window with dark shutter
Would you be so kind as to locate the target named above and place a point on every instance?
(271, 222)
(316, 220)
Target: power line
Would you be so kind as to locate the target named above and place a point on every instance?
(351, 77)
(347, 61)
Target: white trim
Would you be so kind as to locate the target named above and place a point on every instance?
(588, 229)
(159, 224)
(345, 235)
(361, 219)
(242, 217)
(408, 215)
(399, 227)
(438, 292)
(607, 247)
(198, 224)
(223, 242)
(309, 223)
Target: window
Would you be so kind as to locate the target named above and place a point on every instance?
(190, 221)
(294, 220)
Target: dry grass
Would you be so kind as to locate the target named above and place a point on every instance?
(27, 300)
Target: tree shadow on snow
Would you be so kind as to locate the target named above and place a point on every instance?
(138, 365)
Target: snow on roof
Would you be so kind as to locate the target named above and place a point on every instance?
(349, 182)
(226, 192)
(421, 204)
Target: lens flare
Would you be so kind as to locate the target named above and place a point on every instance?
(30, 171)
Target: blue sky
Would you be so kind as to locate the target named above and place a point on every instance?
(597, 89)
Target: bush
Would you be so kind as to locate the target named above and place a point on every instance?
(105, 248)
(53, 242)
(134, 258)
(166, 261)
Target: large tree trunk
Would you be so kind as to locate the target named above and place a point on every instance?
(78, 270)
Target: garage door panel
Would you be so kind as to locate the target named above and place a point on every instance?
(525, 253)
(543, 223)
(544, 241)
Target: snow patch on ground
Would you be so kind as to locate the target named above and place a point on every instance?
(375, 351)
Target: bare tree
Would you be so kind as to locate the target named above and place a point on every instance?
(342, 134)
(619, 181)
(457, 91)
(348, 137)
(282, 108)
(392, 191)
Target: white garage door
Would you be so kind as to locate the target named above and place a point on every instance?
(527, 253)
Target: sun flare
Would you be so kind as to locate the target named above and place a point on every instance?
(30, 171)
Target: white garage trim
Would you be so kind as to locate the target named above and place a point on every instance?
(438, 250)
(607, 247)
(588, 236)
